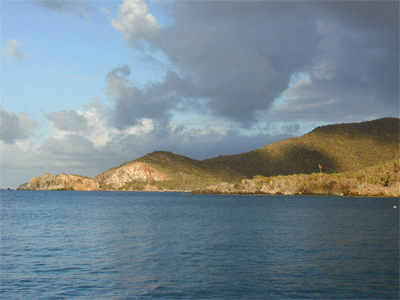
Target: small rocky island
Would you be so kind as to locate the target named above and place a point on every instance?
(358, 159)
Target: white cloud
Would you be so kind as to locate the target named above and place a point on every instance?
(100, 133)
(213, 131)
(90, 124)
(144, 127)
(56, 133)
(26, 145)
(93, 125)
(13, 50)
(135, 23)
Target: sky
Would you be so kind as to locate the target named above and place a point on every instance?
(89, 85)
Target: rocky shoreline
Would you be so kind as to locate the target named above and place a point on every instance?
(381, 181)
(252, 189)
(377, 181)
(292, 185)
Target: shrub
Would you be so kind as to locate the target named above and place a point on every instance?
(386, 180)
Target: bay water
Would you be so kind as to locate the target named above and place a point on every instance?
(136, 245)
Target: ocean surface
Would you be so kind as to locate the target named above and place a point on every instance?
(135, 245)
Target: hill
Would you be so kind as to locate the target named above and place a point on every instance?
(174, 172)
(336, 148)
(61, 182)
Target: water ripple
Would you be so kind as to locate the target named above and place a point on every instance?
(72, 245)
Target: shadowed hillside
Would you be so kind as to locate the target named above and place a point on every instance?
(337, 148)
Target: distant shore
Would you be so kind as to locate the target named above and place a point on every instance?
(376, 181)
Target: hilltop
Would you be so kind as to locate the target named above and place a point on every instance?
(178, 173)
(336, 148)
(327, 149)
(61, 182)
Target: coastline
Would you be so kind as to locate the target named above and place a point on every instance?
(228, 193)
(376, 181)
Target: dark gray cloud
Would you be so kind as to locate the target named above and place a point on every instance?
(361, 46)
(155, 102)
(16, 126)
(69, 121)
(364, 14)
(70, 8)
(241, 55)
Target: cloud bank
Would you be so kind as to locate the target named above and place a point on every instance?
(240, 56)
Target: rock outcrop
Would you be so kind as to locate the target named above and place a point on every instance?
(23, 186)
(62, 182)
(350, 188)
(132, 172)
(246, 187)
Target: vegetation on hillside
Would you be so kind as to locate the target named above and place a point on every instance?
(336, 148)
(379, 180)
(185, 173)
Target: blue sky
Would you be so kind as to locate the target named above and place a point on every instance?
(88, 85)
(67, 58)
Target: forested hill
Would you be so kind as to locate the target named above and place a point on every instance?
(336, 148)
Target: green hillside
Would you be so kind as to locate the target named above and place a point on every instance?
(185, 173)
(337, 148)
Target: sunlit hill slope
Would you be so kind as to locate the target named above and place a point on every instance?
(336, 148)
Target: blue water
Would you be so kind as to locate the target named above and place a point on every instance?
(127, 245)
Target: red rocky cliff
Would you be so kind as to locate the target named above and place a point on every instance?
(130, 172)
